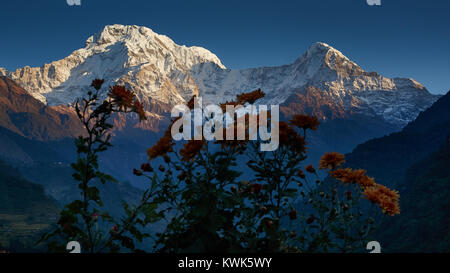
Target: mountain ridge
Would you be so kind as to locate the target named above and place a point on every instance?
(28, 117)
(117, 50)
(415, 162)
(157, 69)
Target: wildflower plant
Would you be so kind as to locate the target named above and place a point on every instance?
(224, 195)
(83, 220)
(272, 202)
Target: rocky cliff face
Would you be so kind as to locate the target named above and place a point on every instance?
(326, 82)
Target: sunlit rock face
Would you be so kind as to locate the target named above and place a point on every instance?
(322, 81)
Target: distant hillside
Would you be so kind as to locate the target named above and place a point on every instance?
(17, 195)
(25, 211)
(416, 162)
(424, 224)
(387, 158)
(26, 116)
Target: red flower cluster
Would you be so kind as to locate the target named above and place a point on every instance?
(350, 176)
(191, 149)
(121, 96)
(378, 194)
(290, 137)
(162, 147)
(386, 198)
(331, 161)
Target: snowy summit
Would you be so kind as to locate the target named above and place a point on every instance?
(157, 69)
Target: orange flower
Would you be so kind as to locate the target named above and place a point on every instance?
(191, 149)
(350, 176)
(121, 96)
(341, 173)
(139, 109)
(97, 83)
(331, 161)
(392, 194)
(305, 122)
(163, 146)
(384, 197)
(289, 137)
(373, 195)
(310, 168)
(366, 181)
(390, 207)
(250, 97)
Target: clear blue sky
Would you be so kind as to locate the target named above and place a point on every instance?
(399, 38)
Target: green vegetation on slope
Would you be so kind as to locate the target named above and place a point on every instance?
(25, 211)
(416, 162)
(424, 224)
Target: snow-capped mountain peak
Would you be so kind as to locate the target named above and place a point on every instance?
(139, 41)
(151, 64)
(322, 51)
(321, 55)
(158, 69)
